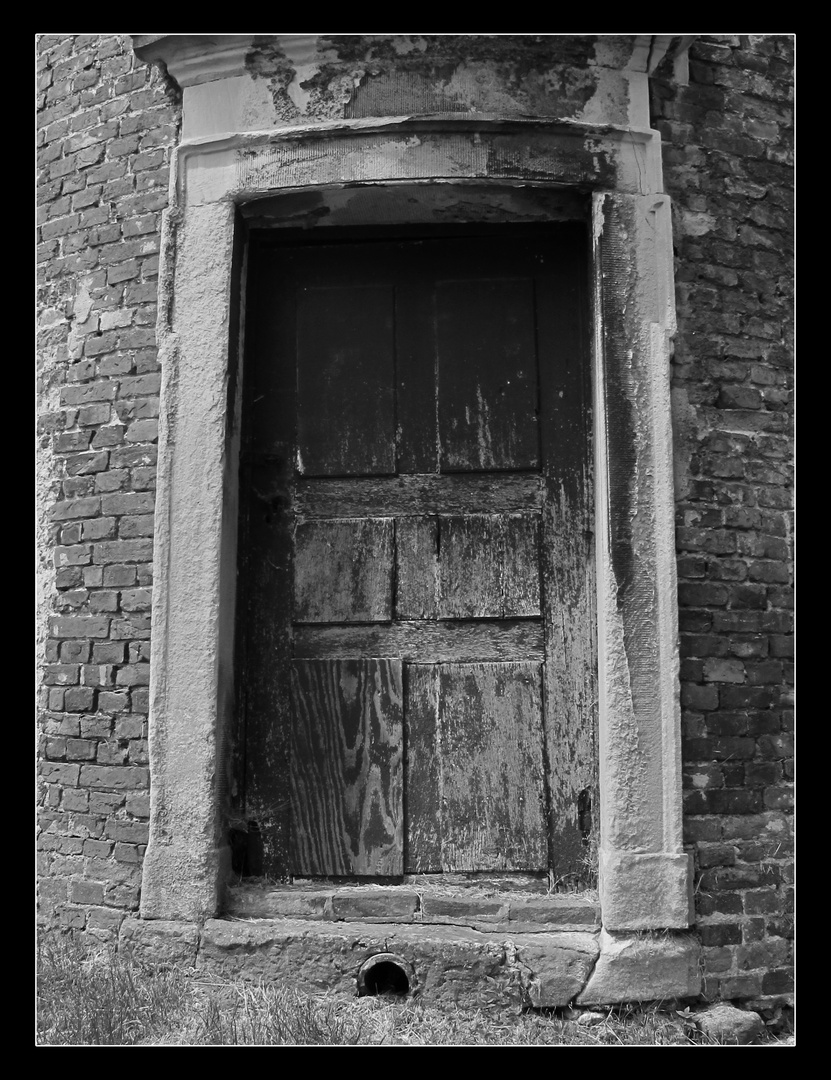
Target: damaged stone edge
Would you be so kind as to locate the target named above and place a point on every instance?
(552, 970)
(223, 166)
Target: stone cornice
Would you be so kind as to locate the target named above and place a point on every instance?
(195, 58)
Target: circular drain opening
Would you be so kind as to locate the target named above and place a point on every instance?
(385, 974)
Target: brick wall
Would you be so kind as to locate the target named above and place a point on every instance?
(106, 126)
(728, 168)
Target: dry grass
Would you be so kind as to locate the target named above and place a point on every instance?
(101, 999)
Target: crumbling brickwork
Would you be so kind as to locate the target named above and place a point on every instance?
(107, 124)
(728, 168)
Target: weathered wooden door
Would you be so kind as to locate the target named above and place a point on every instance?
(417, 665)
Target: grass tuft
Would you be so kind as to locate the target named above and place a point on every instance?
(100, 998)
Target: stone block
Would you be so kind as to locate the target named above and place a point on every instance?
(451, 965)
(458, 909)
(114, 777)
(78, 626)
(86, 892)
(558, 966)
(365, 904)
(728, 1025)
(159, 941)
(646, 891)
(650, 967)
(554, 912)
(104, 918)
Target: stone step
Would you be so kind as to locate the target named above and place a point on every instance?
(422, 904)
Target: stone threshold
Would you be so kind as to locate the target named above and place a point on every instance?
(493, 906)
(445, 964)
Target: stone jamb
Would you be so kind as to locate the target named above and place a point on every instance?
(644, 875)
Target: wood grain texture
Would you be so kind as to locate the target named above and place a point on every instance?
(493, 788)
(422, 770)
(426, 642)
(487, 374)
(416, 561)
(470, 567)
(489, 566)
(467, 356)
(347, 768)
(486, 797)
(343, 570)
(345, 380)
(414, 496)
(520, 565)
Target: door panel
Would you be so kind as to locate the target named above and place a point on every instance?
(345, 381)
(487, 367)
(417, 422)
(489, 566)
(343, 570)
(480, 803)
(347, 768)
(416, 578)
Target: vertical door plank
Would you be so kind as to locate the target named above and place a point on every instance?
(415, 343)
(470, 570)
(269, 382)
(520, 565)
(343, 570)
(487, 374)
(568, 554)
(345, 381)
(264, 683)
(493, 777)
(347, 768)
(422, 770)
(416, 567)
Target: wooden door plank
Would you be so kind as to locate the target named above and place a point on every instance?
(470, 570)
(418, 495)
(422, 770)
(264, 656)
(415, 343)
(520, 565)
(487, 374)
(424, 641)
(492, 766)
(347, 768)
(568, 556)
(269, 383)
(416, 555)
(343, 570)
(345, 380)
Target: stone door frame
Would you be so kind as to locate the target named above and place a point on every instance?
(644, 875)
